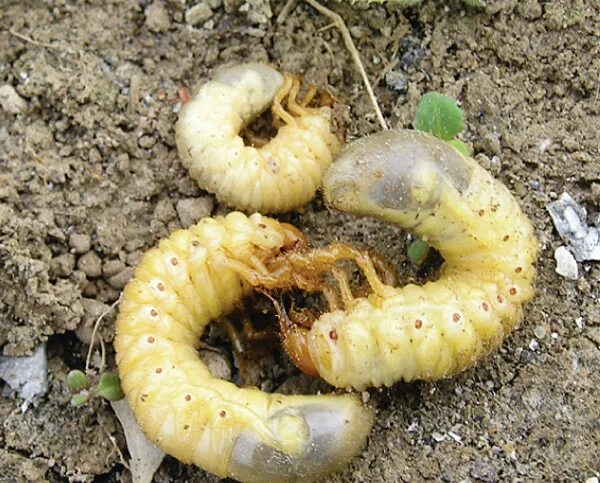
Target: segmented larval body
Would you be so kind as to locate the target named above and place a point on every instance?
(281, 175)
(432, 331)
(247, 434)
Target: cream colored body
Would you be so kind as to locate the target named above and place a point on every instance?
(282, 175)
(247, 434)
(436, 330)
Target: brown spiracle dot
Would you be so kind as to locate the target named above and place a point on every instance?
(481, 212)
(262, 225)
(518, 269)
(333, 334)
(160, 286)
(506, 238)
(158, 370)
(500, 298)
(418, 324)
(150, 340)
(485, 306)
(455, 317)
(223, 413)
(513, 291)
(195, 243)
(174, 261)
(153, 312)
(188, 397)
(186, 427)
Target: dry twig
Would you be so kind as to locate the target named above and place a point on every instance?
(94, 332)
(339, 22)
(35, 42)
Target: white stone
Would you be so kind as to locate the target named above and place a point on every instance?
(566, 266)
(11, 101)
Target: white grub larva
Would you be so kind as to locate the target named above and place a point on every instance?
(247, 434)
(413, 332)
(436, 330)
(281, 175)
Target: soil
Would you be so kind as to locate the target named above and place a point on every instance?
(90, 179)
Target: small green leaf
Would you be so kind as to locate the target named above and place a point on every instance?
(79, 399)
(109, 387)
(418, 251)
(77, 380)
(461, 147)
(439, 115)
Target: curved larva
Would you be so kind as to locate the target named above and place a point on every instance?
(243, 433)
(432, 331)
(281, 175)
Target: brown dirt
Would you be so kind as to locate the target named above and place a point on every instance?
(89, 179)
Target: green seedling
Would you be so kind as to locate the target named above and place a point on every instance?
(418, 251)
(79, 399)
(439, 115)
(108, 387)
(77, 380)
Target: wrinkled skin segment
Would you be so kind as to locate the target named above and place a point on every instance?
(425, 186)
(243, 433)
(279, 176)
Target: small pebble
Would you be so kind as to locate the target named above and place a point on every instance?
(191, 210)
(134, 258)
(112, 267)
(218, 366)
(92, 309)
(10, 101)
(397, 80)
(566, 266)
(539, 332)
(439, 437)
(198, 13)
(90, 290)
(62, 265)
(543, 145)
(146, 142)
(90, 264)
(80, 243)
(28, 375)
(534, 345)
(157, 17)
(119, 280)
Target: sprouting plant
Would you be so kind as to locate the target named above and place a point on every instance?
(439, 115)
(84, 385)
(79, 383)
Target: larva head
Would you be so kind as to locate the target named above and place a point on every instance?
(314, 436)
(259, 82)
(393, 174)
(267, 233)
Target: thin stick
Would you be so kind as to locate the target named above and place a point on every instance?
(34, 42)
(286, 10)
(355, 56)
(96, 325)
(112, 439)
